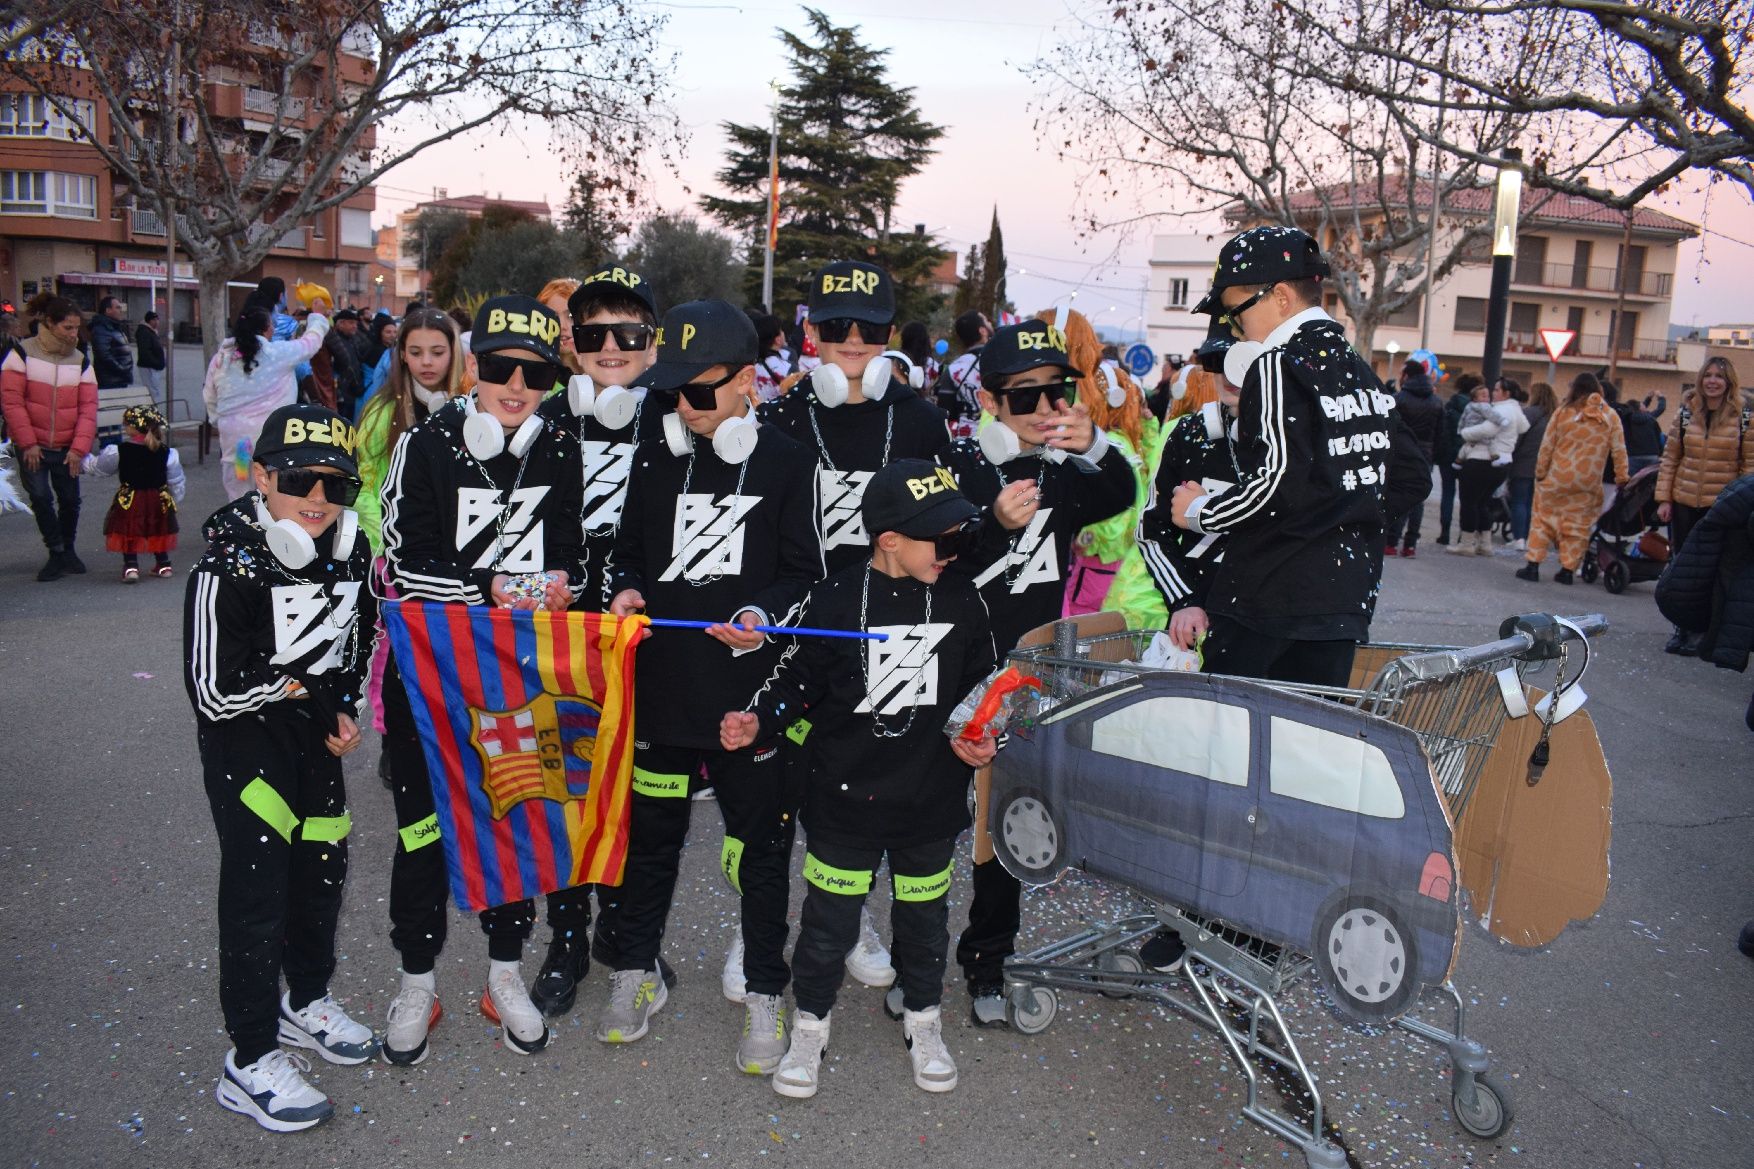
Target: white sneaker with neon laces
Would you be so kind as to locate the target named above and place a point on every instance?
(273, 1092)
(764, 1034)
(323, 1027)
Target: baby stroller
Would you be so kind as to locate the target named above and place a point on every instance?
(1627, 544)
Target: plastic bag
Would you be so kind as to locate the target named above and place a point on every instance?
(988, 708)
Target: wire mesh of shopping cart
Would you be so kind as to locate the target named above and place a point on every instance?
(1455, 701)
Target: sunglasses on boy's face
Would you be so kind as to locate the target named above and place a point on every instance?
(956, 542)
(496, 370)
(836, 330)
(631, 337)
(298, 481)
(1027, 399)
(702, 396)
(1232, 316)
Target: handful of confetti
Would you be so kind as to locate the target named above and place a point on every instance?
(529, 586)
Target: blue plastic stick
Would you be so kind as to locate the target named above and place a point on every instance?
(781, 630)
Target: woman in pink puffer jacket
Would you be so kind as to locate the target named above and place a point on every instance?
(48, 395)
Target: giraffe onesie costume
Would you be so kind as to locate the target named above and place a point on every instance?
(1580, 440)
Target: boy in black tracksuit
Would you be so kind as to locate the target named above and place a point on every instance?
(614, 312)
(886, 782)
(276, 656)
(720, 526)
(1303, 554)
(481, 492)
(1041, 472)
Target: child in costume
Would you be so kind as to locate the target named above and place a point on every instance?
(143, 515)
(719, 525)
(887, 782)
(481, 498)
(276, 636)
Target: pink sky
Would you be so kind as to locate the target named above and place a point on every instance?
(966, 73)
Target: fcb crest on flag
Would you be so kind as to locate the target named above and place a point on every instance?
(526, 721)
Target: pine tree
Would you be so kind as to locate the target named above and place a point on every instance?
(968, 289)
(992, 300)
(848, 140)
(596, 217)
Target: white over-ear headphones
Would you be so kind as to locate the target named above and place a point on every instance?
(485, 437)
(1116, 390)
(1239, 359)
(734, 440)
(915, 376)
(829, 382)
(1000, 444)
(1214, 421)
(293, 546)
(613, 406)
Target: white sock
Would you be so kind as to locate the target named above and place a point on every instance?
(494, 966)
(427, 982)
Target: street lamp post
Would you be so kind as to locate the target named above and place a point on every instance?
(379, 281)
(1507, 207)
(1394, 350)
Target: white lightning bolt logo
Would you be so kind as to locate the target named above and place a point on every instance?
(841, 493)
(708, 536)
(479, 509)
(1034, 551)
(902, 671)
(606, 466)
(304, 619)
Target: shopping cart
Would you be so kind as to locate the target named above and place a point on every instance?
(1453, 700)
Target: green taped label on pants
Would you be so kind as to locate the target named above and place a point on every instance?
(327, 829)
(658, 785)
(267, 803)
(847, 882)
(923, 888)
(799, 731)
(419, 834)
(731, 863)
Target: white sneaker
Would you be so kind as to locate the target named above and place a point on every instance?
(634, 996)
(923, 1032)
(799, 1071)
(323, 1027)
(731, 980)
(764, 1034)
(414, 1012)
(1518, 545)
(507, 1002)
(868, 960)
(273, 1092)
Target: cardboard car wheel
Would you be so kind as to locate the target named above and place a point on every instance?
(1615, 578)
(1119, 962)
(1366, 957)
(1031, 1008)
(1488, 1114)
(1030, 839)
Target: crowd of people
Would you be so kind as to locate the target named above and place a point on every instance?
(578, 449)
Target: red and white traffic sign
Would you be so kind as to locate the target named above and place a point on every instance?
(1557, 341)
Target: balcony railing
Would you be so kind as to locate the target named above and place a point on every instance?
(294, 239)
(264, 101)
(1634, 349)
(143, 222)
(1589, 279)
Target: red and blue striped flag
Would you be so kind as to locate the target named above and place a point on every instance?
(526, 719)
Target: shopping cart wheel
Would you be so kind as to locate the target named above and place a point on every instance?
(1119, 962)
(1489, 1115)
(1615, 578)
(1031, 1008)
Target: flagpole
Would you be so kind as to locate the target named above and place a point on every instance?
(773, 202)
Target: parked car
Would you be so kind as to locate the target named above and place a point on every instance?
(1296, 819)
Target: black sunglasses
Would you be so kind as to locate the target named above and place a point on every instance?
(956, 542)
(298, 481)
(630, 337)
(702, 396)
(497, 369)
(1232, 317)
(1027, 399)
(836, 330)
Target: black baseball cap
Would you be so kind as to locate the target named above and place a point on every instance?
(697, 336)
(915, 497)
(1029, 345)
(1211, 352)
(1263, 255)
(517, 322)
(851, 290)
(347, 314)
(617, 277)
(306, 435)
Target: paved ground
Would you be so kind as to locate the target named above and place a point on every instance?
(1627, 1042)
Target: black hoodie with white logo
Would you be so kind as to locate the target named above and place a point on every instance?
(252, 626)
(702, 540)
(452, 521)
(1022, 575)
(883, 774)
(852, 442)
(605, 458)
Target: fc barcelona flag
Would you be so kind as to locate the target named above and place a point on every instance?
(526, 718)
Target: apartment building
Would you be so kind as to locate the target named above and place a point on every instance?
(414, 271)
(1180, 275)
(68, 225)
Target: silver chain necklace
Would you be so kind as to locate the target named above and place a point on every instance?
(822, 447)
(877, 727)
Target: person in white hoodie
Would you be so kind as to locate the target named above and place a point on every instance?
(250, 377)
(1488, 440)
